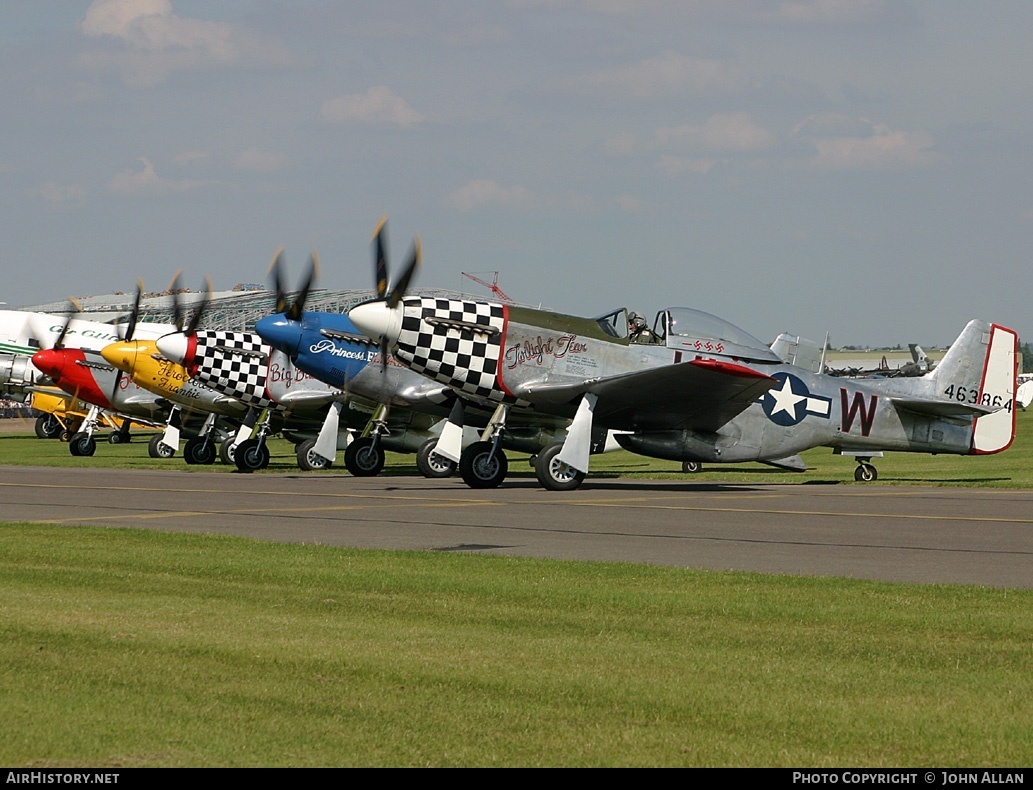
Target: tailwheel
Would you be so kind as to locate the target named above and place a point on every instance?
(156, 448)
(199, 451)
(364, 457)
(430, 464)
(483, 466)
(251, 455)
(82, 444)
(691, 467)
(865, 473)
(309, 460)
(553, 474)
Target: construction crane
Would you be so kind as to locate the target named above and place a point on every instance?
(493, 286)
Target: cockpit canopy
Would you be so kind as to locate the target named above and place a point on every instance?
(693, 330)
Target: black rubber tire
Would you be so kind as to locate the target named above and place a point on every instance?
(553, 475)
(199, 451)
(309, 460)
(866, 473)
(227, 451)
(156, 448)
(48, 427)
(82, 444)
(432, 465)
(363, 458)
(251, 456)
(477, 471)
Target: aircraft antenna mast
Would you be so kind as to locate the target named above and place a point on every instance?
(493, 286)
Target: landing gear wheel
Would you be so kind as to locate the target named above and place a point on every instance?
(553, 474)
(691, 467)
(117, 437)
(363, 458)
(156, 448)
(227, 451)
(47, 427)
(865, 473)
(66, 435)
(251, 456)
(82, 444)
(431, 464)
(481, 469)
(309, 460)
(199, 451)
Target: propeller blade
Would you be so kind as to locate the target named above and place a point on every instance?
(380, 257)
(177, 307)
(134, 316)
(295, 310)
(276, 269)
(75, 308)
(195, 319)
(403, 282)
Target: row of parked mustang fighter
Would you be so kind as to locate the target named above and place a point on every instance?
(460, 381)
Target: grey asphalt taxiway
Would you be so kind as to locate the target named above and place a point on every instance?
(890, 533)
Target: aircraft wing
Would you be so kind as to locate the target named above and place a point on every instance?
(701, 394)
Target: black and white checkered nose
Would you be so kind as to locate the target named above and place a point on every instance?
(378, 321)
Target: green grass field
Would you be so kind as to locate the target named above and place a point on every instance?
(125, 648)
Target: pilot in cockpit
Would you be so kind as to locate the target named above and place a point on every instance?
(639, 331)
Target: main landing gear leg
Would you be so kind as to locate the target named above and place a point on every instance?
(253, 454)
(365, 456)
(483, 464)
(82, 442)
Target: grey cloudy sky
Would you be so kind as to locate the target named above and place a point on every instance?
(863, 167)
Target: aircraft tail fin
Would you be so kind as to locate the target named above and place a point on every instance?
(979, 369)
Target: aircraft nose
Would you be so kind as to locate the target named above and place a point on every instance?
(122, 355)
(48, 362)
(281, 333)
(177, 347)
(377, 320)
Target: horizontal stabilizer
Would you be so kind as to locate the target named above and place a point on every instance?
(941, 408)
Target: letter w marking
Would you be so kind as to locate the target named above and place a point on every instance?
(851, 410)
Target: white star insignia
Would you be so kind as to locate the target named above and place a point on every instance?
(785, 399)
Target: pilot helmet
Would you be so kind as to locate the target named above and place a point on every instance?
(637, 321)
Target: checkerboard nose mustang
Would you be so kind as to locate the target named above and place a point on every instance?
(700, 391)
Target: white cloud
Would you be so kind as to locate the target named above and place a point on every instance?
(148, 182)
(378, 105)
(844, 143)
(161, 43)
(259, 161)
(668, 75)
(482, 192)
(676, 165)
(722, 132)
(60, 193)
(829, 11)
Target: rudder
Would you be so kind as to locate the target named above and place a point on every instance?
(980, 369)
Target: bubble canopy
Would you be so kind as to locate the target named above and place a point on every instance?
(689, 328)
